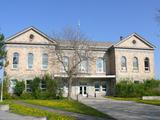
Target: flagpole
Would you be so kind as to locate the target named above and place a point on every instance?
(2, 84)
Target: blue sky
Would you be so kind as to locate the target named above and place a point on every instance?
(101, 20)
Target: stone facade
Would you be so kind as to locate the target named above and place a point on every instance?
(23, 43)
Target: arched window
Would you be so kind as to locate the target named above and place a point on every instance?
(123, 63)
(100, 65)
(30, 60)
(135, 63)
(15, 60)
(65, 64)
(44, 61)
(146, 64)
(83, 66)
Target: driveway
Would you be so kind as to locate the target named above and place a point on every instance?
(124, 110)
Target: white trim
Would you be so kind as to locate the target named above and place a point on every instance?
(42, 61)
(12, 61)
(27, 61)
(88, 76)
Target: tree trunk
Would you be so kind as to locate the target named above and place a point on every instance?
(69, 88)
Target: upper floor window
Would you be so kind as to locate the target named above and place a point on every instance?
(44, 61)
(83, 66)
(135, 63)
(123, 63)
(65, 64)
(30, 60)
(100, 65)
(146, 64)
(15, 60)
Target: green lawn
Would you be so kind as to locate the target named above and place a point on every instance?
(30, 111)
(139, 100)
(67, 105)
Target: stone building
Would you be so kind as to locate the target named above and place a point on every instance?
(131, 58)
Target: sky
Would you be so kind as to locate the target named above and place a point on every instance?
(101, 20)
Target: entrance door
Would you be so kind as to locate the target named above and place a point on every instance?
(83, 90)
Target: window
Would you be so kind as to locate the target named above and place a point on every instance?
(97, 86)
(30, 60)
(135, 63)
(104, 86)
(44, 61)
(123, 63)
(146, 64)
(83, 66)
(12, 85)
(100, 65)
(65, 64)
(15, 60)
(136, 82)
(43, 85)
(28, 85)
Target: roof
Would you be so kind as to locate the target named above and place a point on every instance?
(95, 44)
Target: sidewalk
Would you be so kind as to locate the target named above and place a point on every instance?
(11, 116)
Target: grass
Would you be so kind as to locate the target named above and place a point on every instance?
(138, 100)
(30, 111)
(69, 105)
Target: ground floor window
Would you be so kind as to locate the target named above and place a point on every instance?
(12, 84)
(97, 86)
(43, 85)
(136, 81)
(28, 85)
(104, 86)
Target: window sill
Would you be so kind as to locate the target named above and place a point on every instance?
(16, 69)
(44, 69)
(147, 71)
(97, 92)
(124, 71)
(101, 72)
(29, 69)
(135, 71)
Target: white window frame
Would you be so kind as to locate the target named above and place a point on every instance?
(147, 69)
(97, 89)
(12, 85)
(43, 66)
(103, 63)
(67, 65)
(104, 89)
(124, 68)
(28, 89)
(42, 85)
(83, 66)
(135, 59)
(15, 66)
(28, 61)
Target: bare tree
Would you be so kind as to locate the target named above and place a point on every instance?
(76, 42)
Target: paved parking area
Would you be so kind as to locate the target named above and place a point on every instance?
(124, 110)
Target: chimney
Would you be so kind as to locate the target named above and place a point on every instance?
(121, 37)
